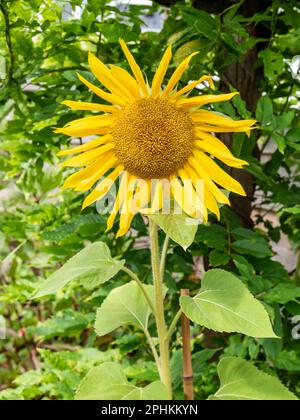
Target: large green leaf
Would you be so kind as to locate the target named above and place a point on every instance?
(225, 304)
(264, 110)
(181, 228)
(92, 266)
(283, 293)
(217, 257)
(273, 346)
(250, 243)
(240, 380)
(108, 382)
(288, 360)
(67, 323)
(124, 305)
(213, 236)
(279, 140)
(202, 21)
(273, 63)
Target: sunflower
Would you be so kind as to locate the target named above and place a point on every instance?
(151, 133)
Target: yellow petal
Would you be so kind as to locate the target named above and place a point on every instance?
(196, 199)
(87, 126)
(103, 187)
(197, 101)
(87, 157)
(85, 121)
(181, 198)
(135, 68)
(225, 157)
(208, 79)
(211, 203)
(160, 72)
(125, 222)
(209, 199)
(158, 197)
(87, 172)
(87, 183)
(218, 175)
(126, 207)
(197, 180)
(119, 200)
(126, 79)
(136, 200)
(220, 129)
(116, 100)
(105, 76)
(86, 146)
(209, 138)
(177, 74)
(220, 197)
(192, 85)
(127, 219)
(208, 117)
(126, 212)
(89, 106)
(141, 196)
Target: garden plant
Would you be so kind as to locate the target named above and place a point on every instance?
(150, 200)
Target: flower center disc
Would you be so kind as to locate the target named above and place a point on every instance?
(153, 138)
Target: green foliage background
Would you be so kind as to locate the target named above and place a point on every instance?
(51, 343)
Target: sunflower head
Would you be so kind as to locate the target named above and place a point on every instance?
(153, 138)
(149, 133)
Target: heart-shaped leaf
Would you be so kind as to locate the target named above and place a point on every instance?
(92, 266)
(124, 305)
(181, 228)
(108, 382)
(225, 304)
(240, 380)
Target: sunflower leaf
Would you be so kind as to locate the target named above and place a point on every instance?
(240, 380)
(108, 382)
(224, 304)
(92, 266)
(124, 305)
(181, 228)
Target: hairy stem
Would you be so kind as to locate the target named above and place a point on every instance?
(173, 325)
(164, 256)
(159, 308)
(153, 349)
(142, 287)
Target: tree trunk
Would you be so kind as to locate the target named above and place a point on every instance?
(245, 77)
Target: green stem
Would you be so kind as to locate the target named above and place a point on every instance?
(146, 332)
(159, 305)
(164, 256)
(153, 349)
(14, 251)
(142, 287)
(173, 325)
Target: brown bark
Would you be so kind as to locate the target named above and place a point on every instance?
(244, 75)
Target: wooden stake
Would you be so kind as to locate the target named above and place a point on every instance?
(187, 357)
